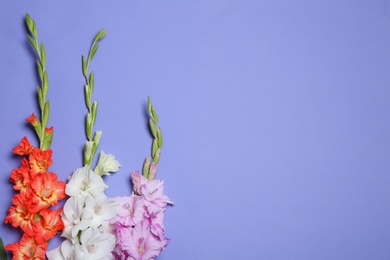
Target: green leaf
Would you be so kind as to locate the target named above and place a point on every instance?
(38, 130)
(152, 127)
(34, 30)
(159, 138)
(40, 70)
(93, 51)
(99, 35)
(97, 136)
(3, 254)
(87, 96)
(156, 157)
(33, 43)
(94, 111)
(88, 126)
(149, 105)
(43, 55)
(29, 22)
(41, 100)
(154, 115)
(146, 167)
(154, 147)
(46, 113)
(45, 84)
(31, 25)
(84, 66)
(47, 139)
(94, 149)
(88, 152)
(92, 80)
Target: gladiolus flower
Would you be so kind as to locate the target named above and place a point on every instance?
(142, 245)
(19, 215)
(21, 177)
(102, 210)
(24, 147)
(27, 248)
(84, 182)
(75, 219)
(33, 120)
(106, 164)
(48, 191)
(152, 192)
(40, 160)
(156, 223)
(138, 225)
(130, 211)
(95, 245)
(64, 251)
(138, 180)
(49, 225)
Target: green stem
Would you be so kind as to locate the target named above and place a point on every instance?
(157, 141)
(3, 254)
(43, 88)
(91, 106)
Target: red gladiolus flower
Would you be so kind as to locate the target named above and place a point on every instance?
(49, 225)
(27, 248)
(48, 190)
(21, 178)
(40, 160)
(24, 147)
(32, 119)
(19, 214)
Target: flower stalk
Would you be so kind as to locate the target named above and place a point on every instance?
(150, 164)
(92, 144)
(39, 188)
(45, 135)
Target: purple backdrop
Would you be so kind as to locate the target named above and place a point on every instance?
(275, 116)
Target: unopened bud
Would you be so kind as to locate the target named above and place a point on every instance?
(152, 171)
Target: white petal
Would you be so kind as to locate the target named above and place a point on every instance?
(106, 164)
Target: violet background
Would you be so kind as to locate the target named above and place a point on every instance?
(275, 116)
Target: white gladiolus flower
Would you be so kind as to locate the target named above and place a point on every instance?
(64, 251)
(95, 245)
(75, 218)
(102, 210)
(106, 164)
(85, 182)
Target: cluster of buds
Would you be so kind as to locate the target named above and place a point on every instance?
(150, 165)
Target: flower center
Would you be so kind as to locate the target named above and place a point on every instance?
(129, 208)
(91, 248)
(141, 248)
(97, 209)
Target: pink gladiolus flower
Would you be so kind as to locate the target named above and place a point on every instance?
(156, 223)
(130, 210)
(142, 245)
(139, 222)
(152, 192)
(138, 180)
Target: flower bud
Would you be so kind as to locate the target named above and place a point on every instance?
(152, 171)
(88, 152)
(33, 120)
(106, 164)
(145, 169)
(136, 179)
